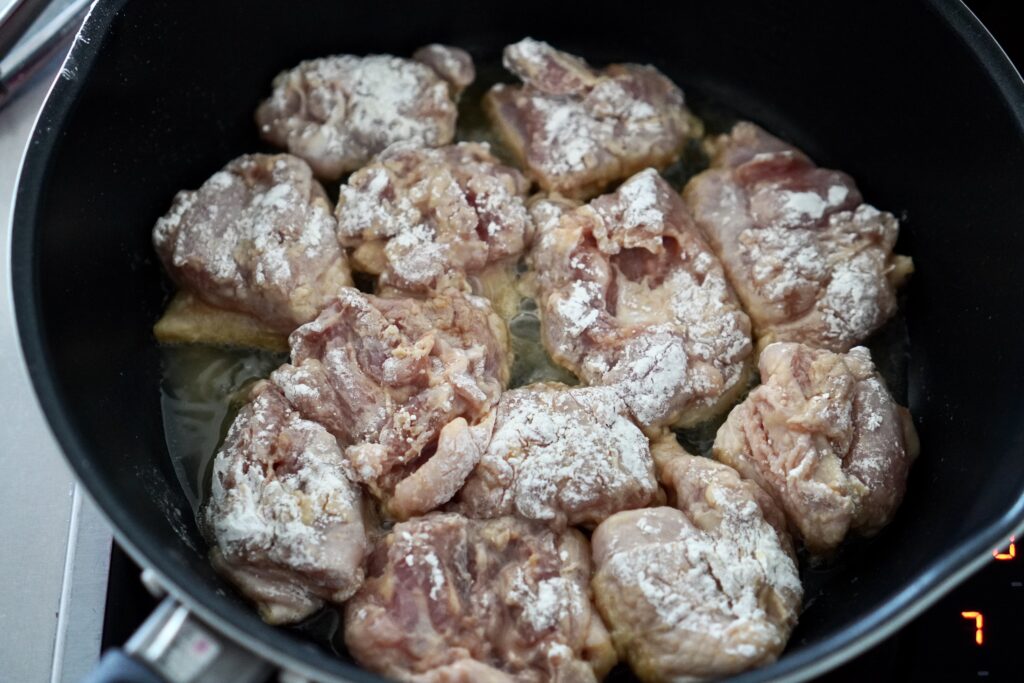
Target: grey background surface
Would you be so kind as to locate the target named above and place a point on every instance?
(54, 547)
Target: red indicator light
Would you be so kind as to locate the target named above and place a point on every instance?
(979, 625)
(1010, 553)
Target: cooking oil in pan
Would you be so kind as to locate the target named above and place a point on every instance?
(202, 390)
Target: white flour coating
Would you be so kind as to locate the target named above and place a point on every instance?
(384, 96)
(580, 308)
(822, 435)
(570, 134)
(704, 589)
(547, 214)
(789, 263)
(688, 598)
(578, 129)
(405, 384)
(436, 576)
(548, 601)
(337, 112)
(644, 306)
(284, 512)
(258, 237)
(416, 256)
(370, 209)
(858, 295)
(562, 455)
(440, 213)
(717, 578)
(416, 546)
(850, 305)
(258, 224)
(652, 374)
(269, 514)
(810, 262)
(638, 219)
(800, 207)
(783, 261)
(505, 593)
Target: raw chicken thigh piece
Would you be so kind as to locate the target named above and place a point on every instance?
(445, 594)
(576, 129)
(284, 515)
(337, 112)
(422, 218)
(706, 589)
(809, 260)
(823, 436)
(452, 64)
(406, 386)
(547, 210)
(566, 456)
(632, 297)
(685, 477)
(258, 237)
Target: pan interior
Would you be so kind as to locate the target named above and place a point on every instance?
(162, 95)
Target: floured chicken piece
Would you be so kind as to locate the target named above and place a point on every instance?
(452, 64)
(685, 476)
(424, 218)
(258, 238)
(809, 260)
(406, 386)
(823, 436)
(632, 297)
(706, 589)
(449, 599)
(576, 129)
(566, 456)
(547, 210)
(337, 112)
(284, 514)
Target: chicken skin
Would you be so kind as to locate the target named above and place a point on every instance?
(576, 130)
(450, 599)
(809, 260)
(284, 514)
(406, 386)
(337, 112)
(566, 456)
(259, 238)
(424, 218)
(705, 589)
(632, 297)
(824, 438)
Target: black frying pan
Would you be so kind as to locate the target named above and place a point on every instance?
(912, 98)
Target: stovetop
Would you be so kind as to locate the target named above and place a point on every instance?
(970, 634)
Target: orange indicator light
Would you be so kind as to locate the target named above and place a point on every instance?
(1010, 553)
(979, 625)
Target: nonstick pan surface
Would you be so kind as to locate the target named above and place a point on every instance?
(913, 99)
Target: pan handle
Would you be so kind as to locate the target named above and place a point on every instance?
(173, 646)
(119, 667)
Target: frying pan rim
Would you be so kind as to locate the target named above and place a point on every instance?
(941, 575)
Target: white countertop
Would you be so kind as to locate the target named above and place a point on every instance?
(54, 547)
